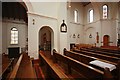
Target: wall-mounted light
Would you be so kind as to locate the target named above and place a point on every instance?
(90, 36)
(69, 3)
(63, 27)
(78, 36)
(33, 21)
(73, 35)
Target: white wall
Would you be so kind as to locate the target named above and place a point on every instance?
(109, 26)
(95, 26)
(22, 33)
(103, 27)
(46, 8)
(62, 15)
(40, 21)
(75, 28)
(84, 28)
(52, 13)
(46, 14)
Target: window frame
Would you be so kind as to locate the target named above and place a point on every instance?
(76, 18)
(14, 36)
(103, 11)
(89, 16)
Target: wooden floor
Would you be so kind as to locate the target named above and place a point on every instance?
(37, 69)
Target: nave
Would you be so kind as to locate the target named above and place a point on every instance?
(35, 45)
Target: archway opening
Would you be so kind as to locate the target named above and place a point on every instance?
(46, 40)
(14, 15)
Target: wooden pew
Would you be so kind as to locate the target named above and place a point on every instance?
(80, 57)
(101, 52)
(7, 66)
(26, 69)
(87, 59)
(50, 69)
(14, 72)
(101, 56)
(107, 50)
(23, 69)
(87, 71)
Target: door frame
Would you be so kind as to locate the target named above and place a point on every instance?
(106, 39)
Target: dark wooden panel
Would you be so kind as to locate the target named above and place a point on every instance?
(13, 52)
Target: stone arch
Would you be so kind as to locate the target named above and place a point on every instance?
(24, 43)
(27, 4)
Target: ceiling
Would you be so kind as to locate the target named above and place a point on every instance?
(14, 10)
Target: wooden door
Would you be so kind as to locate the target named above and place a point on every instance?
(106, 40)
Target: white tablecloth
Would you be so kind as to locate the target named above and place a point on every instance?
(103, 64)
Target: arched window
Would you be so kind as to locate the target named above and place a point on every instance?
(105, 11)
(75, 16)
(14, 35)
(91, 15)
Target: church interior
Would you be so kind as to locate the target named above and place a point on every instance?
(70, 39)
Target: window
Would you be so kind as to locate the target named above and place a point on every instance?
(76, 16)
(14, 36)
(105, 11)
(91, 15)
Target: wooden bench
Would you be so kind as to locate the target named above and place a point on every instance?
(26, 69)
(80, 57)
(14, 72)
(101, 52)
(7, 66)
(50, 69)
(87, 71)
(23, 68)
(101, 56)
(85, 60)
(107, 50)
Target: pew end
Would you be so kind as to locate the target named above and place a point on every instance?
(107, 74)
(118, 67)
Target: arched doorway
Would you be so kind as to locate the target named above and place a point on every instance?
(106, 39)
(46, 39)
